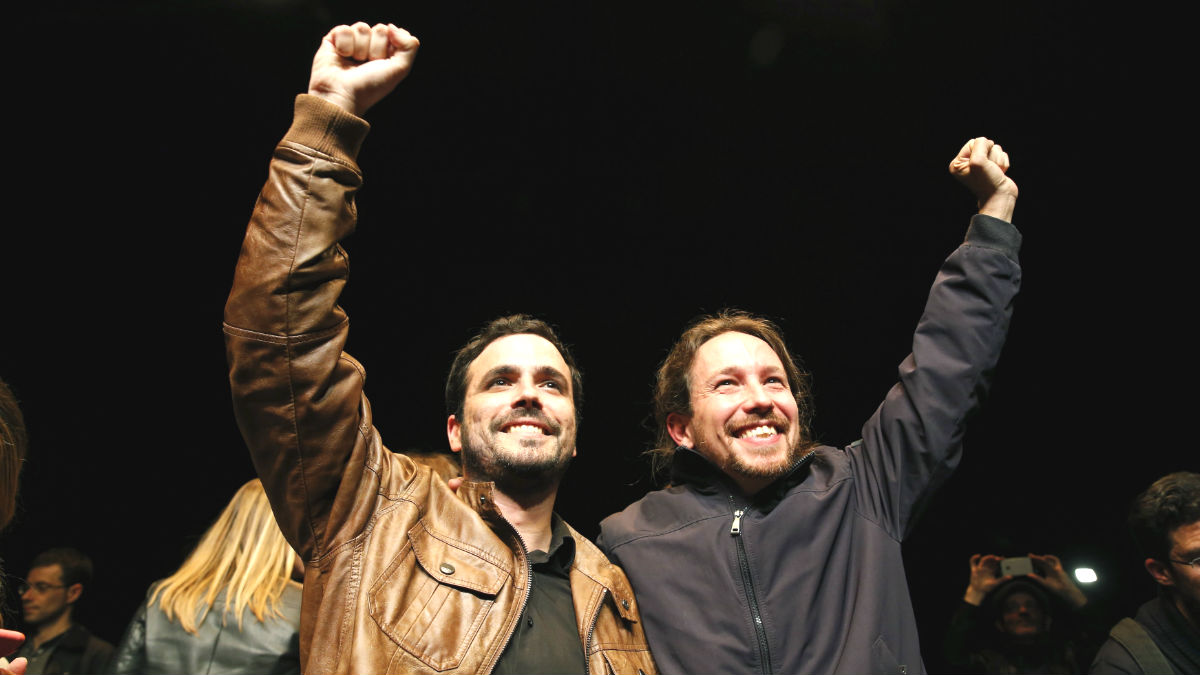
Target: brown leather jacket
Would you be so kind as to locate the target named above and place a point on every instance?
(403, 575)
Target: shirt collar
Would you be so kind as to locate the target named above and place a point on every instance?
(561, 555)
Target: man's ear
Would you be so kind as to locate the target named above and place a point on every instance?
(454, 434)
(680, 428)
(73, 593)
(1159, 571)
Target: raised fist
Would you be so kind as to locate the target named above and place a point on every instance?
(358, 65)
(982, 165)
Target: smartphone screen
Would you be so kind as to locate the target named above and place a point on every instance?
(1016, 566)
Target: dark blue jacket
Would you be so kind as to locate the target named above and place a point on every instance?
(813, 581)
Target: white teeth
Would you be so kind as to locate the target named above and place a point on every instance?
(764, 431)
(523, 429)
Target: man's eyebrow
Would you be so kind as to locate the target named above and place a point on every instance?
(709, 379)
(738, 370)
(505, 370)
(727, 370)
(509, 370)
(1186, 553)
(551, 371)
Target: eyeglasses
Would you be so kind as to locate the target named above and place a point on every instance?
(1195, 562)
(40, 587)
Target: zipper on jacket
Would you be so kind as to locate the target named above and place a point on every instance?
(587, 644)
(764, 652)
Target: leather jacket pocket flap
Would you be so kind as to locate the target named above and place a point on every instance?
(434, 598)
(456, 563)
(628, 661)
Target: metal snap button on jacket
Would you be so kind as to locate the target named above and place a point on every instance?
(446, 568)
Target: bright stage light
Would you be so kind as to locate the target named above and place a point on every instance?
(1085, 575)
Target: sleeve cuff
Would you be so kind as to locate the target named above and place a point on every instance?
(993, 233)
(327, 128)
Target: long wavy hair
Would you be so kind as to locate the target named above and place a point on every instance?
(243, 554)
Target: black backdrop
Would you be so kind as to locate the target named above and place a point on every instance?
(616, 168)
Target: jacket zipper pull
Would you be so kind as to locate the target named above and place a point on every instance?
(737, 522)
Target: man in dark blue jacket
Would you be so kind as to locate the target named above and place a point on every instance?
(770, 553)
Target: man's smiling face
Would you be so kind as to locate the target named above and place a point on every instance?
(518, 415)
(743, 416)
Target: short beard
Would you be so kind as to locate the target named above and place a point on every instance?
(512, 475)
(734, 465)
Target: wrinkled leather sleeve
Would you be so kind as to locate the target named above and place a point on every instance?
(130, 657)
(913, 441)
(297, 396)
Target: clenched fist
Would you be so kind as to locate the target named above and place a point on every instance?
(358, 65)
(982, 165)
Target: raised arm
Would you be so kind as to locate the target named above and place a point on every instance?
(913, 441)
(297, 396)
(958, 645)
(985, 576)
(1052, 577)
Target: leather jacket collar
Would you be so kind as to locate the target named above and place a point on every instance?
(481, 497)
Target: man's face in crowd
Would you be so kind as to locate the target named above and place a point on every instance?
(518, 413)
(743, 412)
(1183, 579)
(1022, 615)
(47, 598)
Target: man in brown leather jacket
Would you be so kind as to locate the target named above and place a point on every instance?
(403, 575)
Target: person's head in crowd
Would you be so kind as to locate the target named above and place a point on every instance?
(12, 452)
(1022, 610)
(732, 391)
(1026, 621)
(513, 399)
(1165, 520)
(242, 554)
(53, 587)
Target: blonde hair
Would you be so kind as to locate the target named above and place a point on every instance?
(243, 554)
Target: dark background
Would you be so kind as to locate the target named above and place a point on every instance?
(616, 168)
